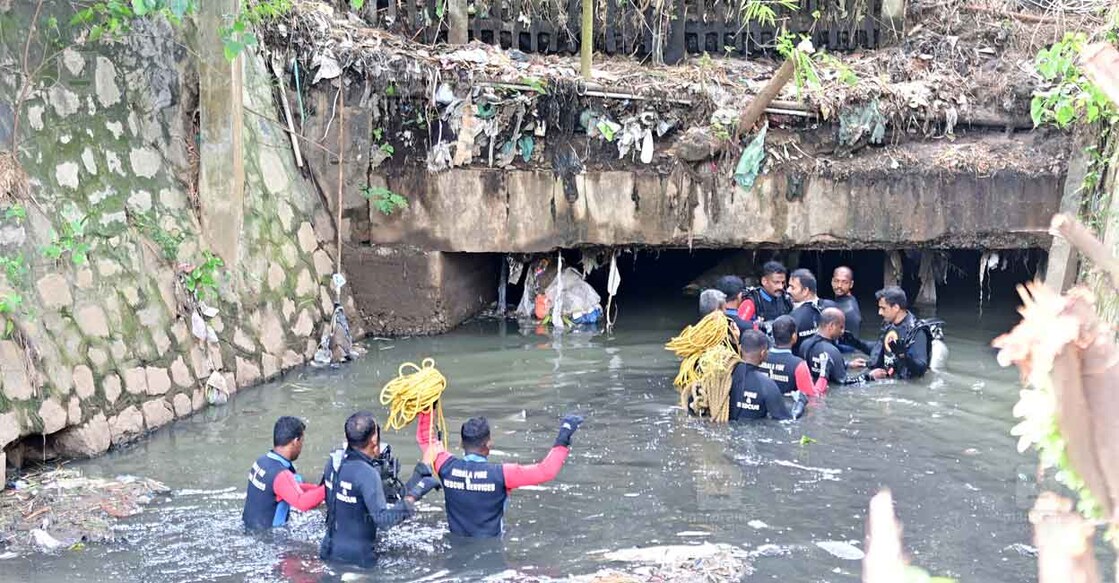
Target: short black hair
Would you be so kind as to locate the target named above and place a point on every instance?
(894, 296)
(475, 432)
(771, 267)
(731, 285)
(286, 430)
(753, 342)
(806, 279)
(784, 328)
(360, 429)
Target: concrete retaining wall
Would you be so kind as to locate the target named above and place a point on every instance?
(101, 351)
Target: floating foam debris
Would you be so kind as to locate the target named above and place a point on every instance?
(757, 524)
(829, 473)
(693, 533)
(195, 492)
(1022, 549)
(842, 550)
(770, 550)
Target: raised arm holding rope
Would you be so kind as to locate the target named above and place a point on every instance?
(476, 491)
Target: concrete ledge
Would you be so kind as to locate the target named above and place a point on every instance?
(490, 211)
(405, 291)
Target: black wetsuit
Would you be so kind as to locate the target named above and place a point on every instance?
(807, 317)
(355, 509)
(854, 316)
(753, 395)
(912, 359)
(824, 358)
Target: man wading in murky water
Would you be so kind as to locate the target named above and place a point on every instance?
(477, 491)
(842, 281)
(753, 395)
(768, 302)
(902, 350)
(274, 486)
(807, 305)
(789, 371)
(823, 356)
(355, 501)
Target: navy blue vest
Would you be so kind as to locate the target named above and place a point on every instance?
(350, 532)
(474, 490)
(262, 510)
(781, 366)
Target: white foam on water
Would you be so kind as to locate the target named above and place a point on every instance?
(842, 550)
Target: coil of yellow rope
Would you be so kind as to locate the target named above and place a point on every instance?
(416, 388)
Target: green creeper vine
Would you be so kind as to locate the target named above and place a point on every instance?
(115, 17)
(1069, 96)
(71, 240)
(202, 279)
(384, 200)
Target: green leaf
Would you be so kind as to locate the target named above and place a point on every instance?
(1065, 113)
(231, 50)
(140, 7)
(357, 4)
(1037, 110)
(52, 251)
(96, 33)
(81, 17)
(388, 149)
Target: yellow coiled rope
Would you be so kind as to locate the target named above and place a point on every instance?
(412, 393)
(709, 354)
(710, 332)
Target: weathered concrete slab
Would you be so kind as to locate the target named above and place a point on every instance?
(485, 211)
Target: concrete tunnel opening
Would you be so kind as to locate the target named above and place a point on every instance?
(957, 278)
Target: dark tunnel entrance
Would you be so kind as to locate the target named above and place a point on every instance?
(969, 280)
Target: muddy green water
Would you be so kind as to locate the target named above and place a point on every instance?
(640, 473)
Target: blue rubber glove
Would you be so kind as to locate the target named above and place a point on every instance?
(570, 424)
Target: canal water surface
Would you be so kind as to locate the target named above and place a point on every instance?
(640, 473)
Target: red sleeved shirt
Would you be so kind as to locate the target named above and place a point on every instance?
(746, 310)
(302, 497)
(516, 475)
(804, 381)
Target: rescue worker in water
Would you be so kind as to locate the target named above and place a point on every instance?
(903, 346)
(274, 486)
(476, 490)
(768, 302)
(753, 395)
(355, 500)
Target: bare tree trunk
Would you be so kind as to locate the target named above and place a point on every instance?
(756, 108)
(586, 45)
(458, 20)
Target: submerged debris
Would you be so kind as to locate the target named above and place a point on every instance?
(62, 509)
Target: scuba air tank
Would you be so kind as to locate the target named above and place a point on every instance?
(938, 351)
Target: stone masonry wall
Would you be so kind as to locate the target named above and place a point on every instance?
(101, 351)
